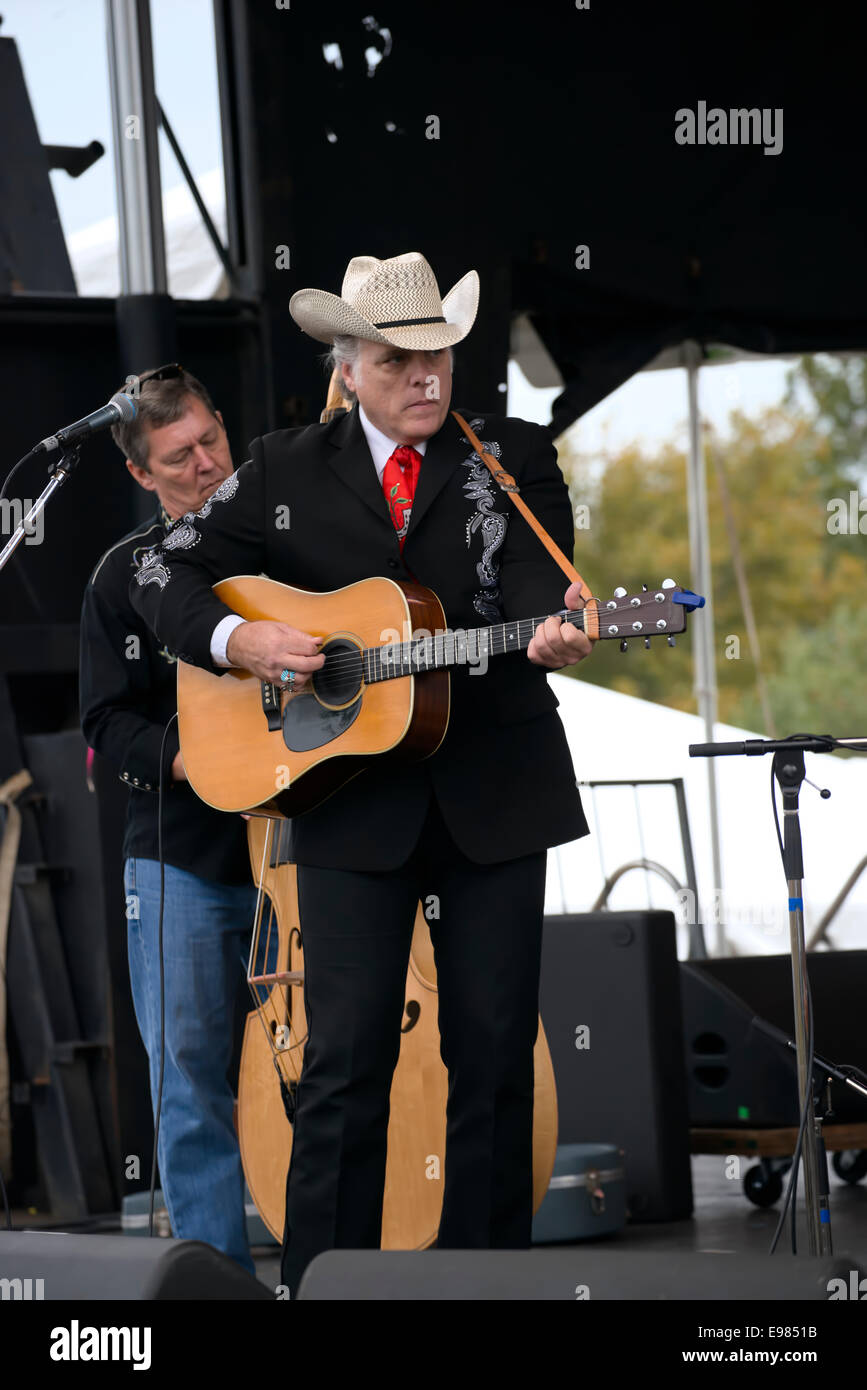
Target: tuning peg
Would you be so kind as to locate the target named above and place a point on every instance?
(668, 584)
(624, 646)
(671, 642)
(644, 588)
(647, 643)
(620, 593)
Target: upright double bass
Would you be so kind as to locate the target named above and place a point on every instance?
(273, 1052)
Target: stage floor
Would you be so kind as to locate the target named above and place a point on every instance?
(724, 1222)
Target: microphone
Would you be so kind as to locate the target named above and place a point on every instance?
(120, 408)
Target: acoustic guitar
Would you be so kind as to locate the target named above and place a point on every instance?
(383, 691)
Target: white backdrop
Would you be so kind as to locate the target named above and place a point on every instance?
(194, 269)
(617, 736)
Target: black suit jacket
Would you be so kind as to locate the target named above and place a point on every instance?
(307, 509)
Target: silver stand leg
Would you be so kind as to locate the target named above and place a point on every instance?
(814, 1101)
(61, 472)
(789, 772)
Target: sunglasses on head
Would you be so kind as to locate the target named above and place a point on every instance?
(172, 369)
(133, 384)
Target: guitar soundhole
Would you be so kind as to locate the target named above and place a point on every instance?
(339, 680)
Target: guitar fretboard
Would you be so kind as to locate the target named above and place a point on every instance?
(458, 647)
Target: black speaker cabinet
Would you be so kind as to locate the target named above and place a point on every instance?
(737, 1073)
(610, 1003)
(586, 1272)
(37, 1265)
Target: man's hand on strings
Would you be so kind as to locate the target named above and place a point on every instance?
(266, 649)
(557, 644)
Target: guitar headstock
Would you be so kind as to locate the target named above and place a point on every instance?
(652, 613)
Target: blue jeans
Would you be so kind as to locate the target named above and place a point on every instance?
(206, 938)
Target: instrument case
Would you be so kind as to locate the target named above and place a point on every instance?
(586, 1196)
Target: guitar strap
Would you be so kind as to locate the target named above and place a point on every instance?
(507, 483)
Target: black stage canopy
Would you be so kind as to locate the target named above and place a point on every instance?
(546, 144)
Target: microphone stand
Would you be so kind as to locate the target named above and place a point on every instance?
(822, 1068)
(789, 773)
(59, 474)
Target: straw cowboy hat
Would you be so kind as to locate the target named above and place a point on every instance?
(395, 301)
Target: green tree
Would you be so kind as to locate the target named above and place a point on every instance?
(819, 685)
(832, 392)
(835, 391)
(799, 574)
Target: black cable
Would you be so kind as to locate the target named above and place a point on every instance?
(791, 1189)
(853, 1072)
(806, 1113)
(162, 978)
(793, 1206)
(5, 984)
(5, 1203)
(14, 469)
(790, 1199)
(806, 1099)
(809, 1112)
(776, 817)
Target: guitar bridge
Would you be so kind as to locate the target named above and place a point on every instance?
(271, 705)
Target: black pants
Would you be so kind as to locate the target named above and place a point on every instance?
(356, 931)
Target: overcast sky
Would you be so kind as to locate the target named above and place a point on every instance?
(64, 54)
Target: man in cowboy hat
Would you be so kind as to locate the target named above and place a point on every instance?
(393, 488)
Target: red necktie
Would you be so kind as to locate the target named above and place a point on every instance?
(399, 478)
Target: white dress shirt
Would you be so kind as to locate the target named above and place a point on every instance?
(381, 449)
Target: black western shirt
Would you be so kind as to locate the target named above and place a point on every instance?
(128, 693)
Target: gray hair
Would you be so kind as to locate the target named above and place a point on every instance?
(347, 349)
(343, 349)
(157, 403)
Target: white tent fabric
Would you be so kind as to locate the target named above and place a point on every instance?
(194, 269)
(615, 736)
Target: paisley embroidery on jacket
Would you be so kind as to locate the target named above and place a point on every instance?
(492, 524)
(182, 536)
(150, 571)
(225, 492)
